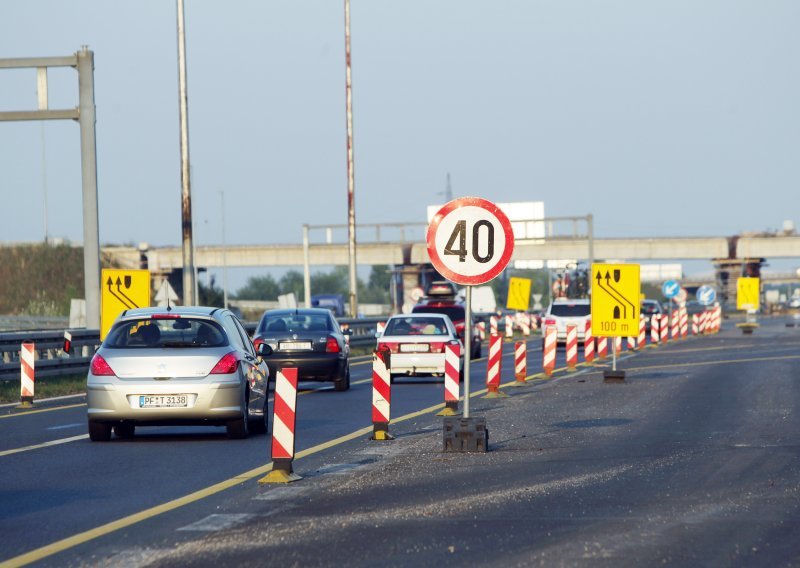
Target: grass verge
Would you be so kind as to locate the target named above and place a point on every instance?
(45, 388)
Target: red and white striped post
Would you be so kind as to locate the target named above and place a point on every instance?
(26, 374)
(493, 367)
(695, 324)
(664, 328)
(509, 327)
(618, 344)
(588, 342)
(684, 315)
(482, 330)
(642, 333)
(520, 362)
(701, 327)
(381, 395)
(602, 347)
(284, 419)
(452, 379)
(655, 334)
(549, 350)
(525, 325)
(717, 318)
(492, 325)
(380, 327)
(675, 330)
(631, 341)
(572, 347)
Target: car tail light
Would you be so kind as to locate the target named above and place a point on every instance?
(227, 365)
(388, 346)
(437, 347)
(332, 346)
(165, 316)
(549, 321)
(101, 368)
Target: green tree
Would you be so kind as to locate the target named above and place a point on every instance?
(378, 288)
(292, 281)
(211, 295)
(259, 288)
(337, 281)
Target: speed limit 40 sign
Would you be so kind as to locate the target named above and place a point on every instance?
(470, 241)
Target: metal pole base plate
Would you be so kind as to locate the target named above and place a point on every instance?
(610, 376)
(448, 411)
(496, 394)
(279, 476)
(465, 435)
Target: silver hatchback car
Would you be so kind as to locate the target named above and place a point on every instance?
(179, 365)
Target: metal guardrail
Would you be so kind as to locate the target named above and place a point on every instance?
(52, 361)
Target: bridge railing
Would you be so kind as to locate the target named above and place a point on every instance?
(52, 361)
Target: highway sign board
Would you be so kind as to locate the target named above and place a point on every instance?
(470, 241)
(615, 300)
(670, 288)
(519, 294)
(706, 295)
(748, 291)
(121, 290)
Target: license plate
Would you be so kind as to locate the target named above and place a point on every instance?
(295, 345)
(415, 347)
(163, 401)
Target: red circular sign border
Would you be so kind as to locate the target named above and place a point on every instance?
(478, 278)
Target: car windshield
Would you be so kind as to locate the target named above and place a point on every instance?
(416, 326)
(294, 323)
(455, 313)
(171, 332)
(570, 310)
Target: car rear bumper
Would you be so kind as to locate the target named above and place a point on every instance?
(416, 363)
(316, 367)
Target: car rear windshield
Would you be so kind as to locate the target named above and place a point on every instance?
(174, 332)
(294, 323)
(570, 310)
(416, 326)
(455, 313)
(650, 308)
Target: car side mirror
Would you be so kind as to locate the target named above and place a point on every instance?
(264, 350)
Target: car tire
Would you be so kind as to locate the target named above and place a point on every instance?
(260, 425)
(342, 384)
(99, 431)
(124, 430)
(238, 429)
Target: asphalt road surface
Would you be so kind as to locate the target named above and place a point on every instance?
(693, 460)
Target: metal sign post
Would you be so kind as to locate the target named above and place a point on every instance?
(467, 346)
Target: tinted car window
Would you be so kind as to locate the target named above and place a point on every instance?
(233, 333)
(178, 332)
(570, 310)
(417, 326)
(455, 313)
(276, 323)
(650, 308)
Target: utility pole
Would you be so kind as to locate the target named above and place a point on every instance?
(351, 210)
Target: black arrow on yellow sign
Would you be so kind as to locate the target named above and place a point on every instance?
(615, 294)
(119, 294)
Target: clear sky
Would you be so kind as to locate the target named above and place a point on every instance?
(674, 118)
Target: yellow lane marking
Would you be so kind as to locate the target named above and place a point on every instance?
(103, 530)
(44, 445)
(29, 412)
(720, 362)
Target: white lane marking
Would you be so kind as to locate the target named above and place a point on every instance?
(276, 493)
(217, 522)
(65, 426)
(45, 445)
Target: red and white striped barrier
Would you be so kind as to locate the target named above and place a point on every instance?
(631, 341)
(684, 315)
(380, 327)
(640, 344)
(26, 373)
(525, 324)
(452, 379)
(284, 420)
(588, 342)
(492, 325)
(549, 349)
(493, 366)
(602, 347)
(572, 347)
(67, 342)
(381, 395)
(717, 318)
(695, 324)
(664, 327)
(520, 362)
(655, 334)
(618, 344)
(482, 330)
(675, 326)
(701, 326)
(509, 327)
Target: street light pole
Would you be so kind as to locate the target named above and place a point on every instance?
(351, 212)
(224, 253)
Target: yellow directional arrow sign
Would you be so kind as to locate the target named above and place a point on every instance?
(748, 291)
(519, 294)
(122, 290)
(615, 300)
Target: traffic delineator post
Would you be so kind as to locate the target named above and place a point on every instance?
(642, 342)
(602, 347)
(381, 395)
(520, 363)
(664, 328)
(452, 380)
(572, 347)
(618, 344)
(509, 327)
(525, 325)
(631, 341)
(67, 342)
(284, 420)
(675, 326)
(684, 317)
(482, 330)
(493, 367)
(549, 350)
(588, 342)
(380, 327)
(492, 326)
(701, 326)
(695, 324)
(655, 334)
(26, 374)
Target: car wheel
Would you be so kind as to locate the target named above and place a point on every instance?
(238, 429)
(260, 425)
(343, 383)
(125, 430)
(99, 431)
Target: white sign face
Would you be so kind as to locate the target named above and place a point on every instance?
(470, 241)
